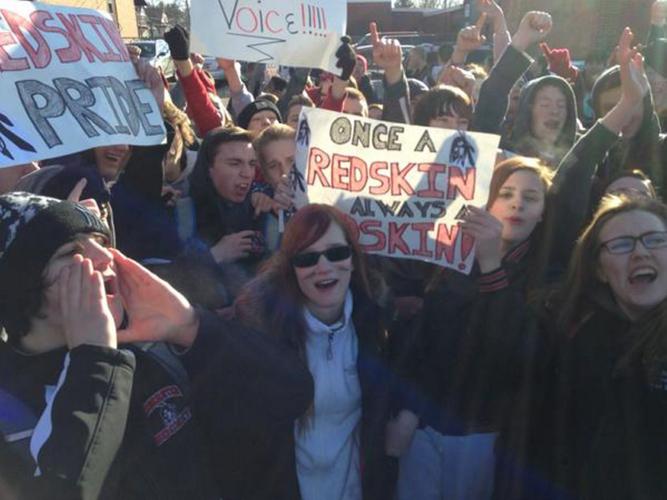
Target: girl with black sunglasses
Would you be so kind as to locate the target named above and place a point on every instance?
(315, 295)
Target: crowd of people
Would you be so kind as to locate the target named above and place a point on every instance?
(174, 328)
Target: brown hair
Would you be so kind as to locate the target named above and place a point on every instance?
(582, 271)
(354, 93)
(540, 238)
(636, 174)
(275, 132)
(300, 100)
(506, 168)
(649, 346)
(442, 100)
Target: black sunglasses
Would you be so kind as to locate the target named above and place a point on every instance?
(333, 254)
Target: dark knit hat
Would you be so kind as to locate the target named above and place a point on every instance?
(608, 79)
(255, 107)
(32, 228)
(417, 87)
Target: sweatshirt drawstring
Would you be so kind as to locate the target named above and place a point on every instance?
(330, 345)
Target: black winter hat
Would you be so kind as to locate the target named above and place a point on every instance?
(32, 228)
(255, 107)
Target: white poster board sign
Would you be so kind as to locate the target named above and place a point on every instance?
(286, 32)
(403, 185)
(67, 85)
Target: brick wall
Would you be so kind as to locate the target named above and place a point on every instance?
(125, 14)
(584, 25)
(360, 14)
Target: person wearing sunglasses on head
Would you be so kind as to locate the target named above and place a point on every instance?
(314, 294)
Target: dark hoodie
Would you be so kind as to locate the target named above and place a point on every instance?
(640, 151)
(216, 218)
(522, 141)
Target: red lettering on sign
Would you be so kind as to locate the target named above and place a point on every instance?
(432, 169)
(317, 161)
(40, 56)
(384, 181)
(423, 229)
(444, 242)
(462, 183)
(8, 63)
(396, 241)
(370, 228)
(398, 180)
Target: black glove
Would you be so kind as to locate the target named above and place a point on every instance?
(178, 40)
(346, 58)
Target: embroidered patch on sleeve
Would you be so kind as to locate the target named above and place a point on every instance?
(164, 409)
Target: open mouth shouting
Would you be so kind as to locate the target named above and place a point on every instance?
(553, 125)
(325, 285)
(644, 275)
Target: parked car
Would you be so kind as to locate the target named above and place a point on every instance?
(367, 52)
(405, 37)
(211, 65)
(156, 52)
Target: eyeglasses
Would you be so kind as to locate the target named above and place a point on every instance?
(626, 244)
(333, 254)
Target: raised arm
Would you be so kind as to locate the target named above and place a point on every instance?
(204, 113)
(494, 93)
(254, 369)
(388, 55)
(574, 178)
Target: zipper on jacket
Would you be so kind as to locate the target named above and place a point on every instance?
(330, 345)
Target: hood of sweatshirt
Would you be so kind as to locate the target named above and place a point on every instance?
(521, 139)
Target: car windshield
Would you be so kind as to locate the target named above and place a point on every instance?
(147, 49)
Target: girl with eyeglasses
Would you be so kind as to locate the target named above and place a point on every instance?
(608, 404)
(315, 295)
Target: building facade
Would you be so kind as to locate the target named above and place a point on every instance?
(123, 12)
(444, 22)
(584, 26)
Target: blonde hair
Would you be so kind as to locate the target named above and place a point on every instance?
(275, 132)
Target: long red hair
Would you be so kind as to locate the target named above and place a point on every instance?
(272, 302)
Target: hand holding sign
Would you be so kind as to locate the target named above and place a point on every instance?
(387, 54)
(487, 232)
(534, 28)
(152, 79)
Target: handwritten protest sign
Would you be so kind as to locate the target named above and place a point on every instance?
(67, 85)
(403, 185)
(301, 33)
